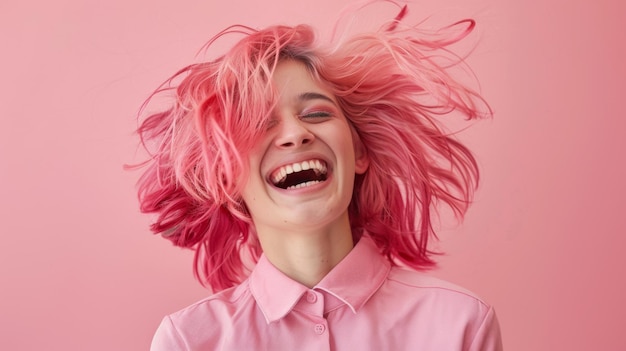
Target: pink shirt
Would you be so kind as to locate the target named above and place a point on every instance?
(362, 304)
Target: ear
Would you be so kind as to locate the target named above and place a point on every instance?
(361, 159)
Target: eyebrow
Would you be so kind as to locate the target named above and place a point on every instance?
(314, 96)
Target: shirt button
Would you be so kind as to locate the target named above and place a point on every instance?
(311, 297)
(319, 329)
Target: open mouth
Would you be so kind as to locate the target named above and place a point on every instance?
(300, 174)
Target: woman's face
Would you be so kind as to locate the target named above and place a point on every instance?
(302, 172)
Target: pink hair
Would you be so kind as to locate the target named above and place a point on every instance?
(391, 86)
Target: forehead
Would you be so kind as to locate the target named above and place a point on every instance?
(293, 80)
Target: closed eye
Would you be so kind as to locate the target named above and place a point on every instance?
(316, 115)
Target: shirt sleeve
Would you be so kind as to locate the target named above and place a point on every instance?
(488, 337)
(167, 338)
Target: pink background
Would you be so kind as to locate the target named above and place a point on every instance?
(79, 270)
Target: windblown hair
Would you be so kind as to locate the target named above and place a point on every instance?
(392, 86)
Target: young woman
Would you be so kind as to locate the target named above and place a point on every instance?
(304, 177)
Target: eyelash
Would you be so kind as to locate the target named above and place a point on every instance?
(316, 114)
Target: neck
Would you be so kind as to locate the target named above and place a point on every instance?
(306, 256)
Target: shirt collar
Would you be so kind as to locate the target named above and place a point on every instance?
(353, 281)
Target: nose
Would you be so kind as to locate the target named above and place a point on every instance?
(293, 133)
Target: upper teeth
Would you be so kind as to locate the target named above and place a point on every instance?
(281, 173)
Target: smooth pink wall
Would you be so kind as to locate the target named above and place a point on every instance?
(80, 271)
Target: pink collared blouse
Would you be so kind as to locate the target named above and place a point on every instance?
(362, 304)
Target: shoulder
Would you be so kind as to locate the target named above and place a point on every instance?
(425, 284)
(437, 305)
(202, 323)
(215, 307)
(434, 298)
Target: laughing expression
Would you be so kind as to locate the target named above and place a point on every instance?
(302, 172)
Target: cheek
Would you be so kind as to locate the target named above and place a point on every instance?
(361, 159)
(252, 183)
(347, 146)
(251, 164)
